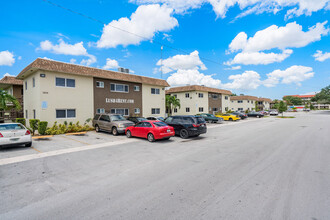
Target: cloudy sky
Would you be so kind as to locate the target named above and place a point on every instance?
(264, 48)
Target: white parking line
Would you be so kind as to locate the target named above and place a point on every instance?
(63, 151)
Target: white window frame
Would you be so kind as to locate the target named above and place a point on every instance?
(121, 85)
(175, 110)
(187, 109)
(136, 88)
(200, 109)
(66, 113)
(187, 95)
(239, 101)
(100, 82)
(100, 110)
(155, 89)
(120, 109)
(200, 95)
(156, 112)
(137, 111)
(65, 82)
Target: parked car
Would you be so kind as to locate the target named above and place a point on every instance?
(155, 118)
(229, 117)
(240, 114)
(151, 130)
(187, 125)
(136, 119)
(14, 134)
(255, 114)
(273, 112)
(116, 124)
(210, 118)
(264, 112)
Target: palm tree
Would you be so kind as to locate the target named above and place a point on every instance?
(171, 103)
(8, 101)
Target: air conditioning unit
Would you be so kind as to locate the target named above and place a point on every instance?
(120, 69)
(126, 70)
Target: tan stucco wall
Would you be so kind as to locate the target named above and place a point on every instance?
(225, 103)
(234, 105)
(79, 98)
(150, 101)
(193, 102)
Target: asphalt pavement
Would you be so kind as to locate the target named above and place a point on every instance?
(262, 169)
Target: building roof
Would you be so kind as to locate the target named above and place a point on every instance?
(11, 80)
(264, 100)
(61, 67)
(244, 97)
(301, 96)
(197, 88)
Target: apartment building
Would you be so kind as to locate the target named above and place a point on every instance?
(245, 102)
(58, 91)
(195, 99)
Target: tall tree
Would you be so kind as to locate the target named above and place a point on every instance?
(323, 96)
(171, 103)
(282, 107)
(8, 101)
(291, 100)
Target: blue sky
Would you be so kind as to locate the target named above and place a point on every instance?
(264, 49)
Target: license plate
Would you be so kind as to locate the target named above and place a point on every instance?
(202, 125)
(14, 139)
(168, 130)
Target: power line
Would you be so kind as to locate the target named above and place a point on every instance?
(145, 38)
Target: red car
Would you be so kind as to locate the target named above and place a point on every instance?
(152, 130)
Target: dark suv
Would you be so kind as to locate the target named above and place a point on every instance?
(187, 125)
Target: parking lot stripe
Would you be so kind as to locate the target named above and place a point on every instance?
(63, 151)
(75, 140)
(36, 150)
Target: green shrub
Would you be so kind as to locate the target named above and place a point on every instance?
(21, 120)
(34, 125)
(42, 127)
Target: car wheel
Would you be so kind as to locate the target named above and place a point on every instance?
(28, 145)
(230, 119)
(258, 116)
(184, 134)
(128, 134)
(209, 121)
(151, 137)
(114, 131)
(97, 128)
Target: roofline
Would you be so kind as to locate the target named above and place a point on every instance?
(191, 88)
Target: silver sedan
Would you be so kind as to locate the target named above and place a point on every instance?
(13, 134)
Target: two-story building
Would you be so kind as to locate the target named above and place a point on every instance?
(249, 103)
(195, 99)
(58, 91)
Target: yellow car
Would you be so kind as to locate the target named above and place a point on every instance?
(228, 117)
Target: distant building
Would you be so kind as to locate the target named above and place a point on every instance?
(248, 103)
(197, 99)
(305, 98)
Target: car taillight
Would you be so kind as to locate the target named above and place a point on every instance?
(27, 132)
(1, 136)
(196, 126)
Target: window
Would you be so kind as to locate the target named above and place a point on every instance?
(215, 109)
(200, 95)
(136, 88)
(25, 85)
(63, 82)
(120, 111)
(155, 111)
(226, 108)
(240, 109)
(34, 114)
(26, 114)
(96, 117)
(187, 109)
(187, 95)
(66, 113)
(154, 91)
(240, 101)
(160, 124)
(118, 87)
(137, 111)
(100, 110)
(175, 96)
(214, 96)
(175, 110)
(226, 97)
(99, 84)
(252, 102)
(201, 109)
(33, 82)
(248, 101)
(104, 118)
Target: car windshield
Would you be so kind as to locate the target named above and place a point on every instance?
(161, 118)
(117, 118)
(7, 127)
(160, 124)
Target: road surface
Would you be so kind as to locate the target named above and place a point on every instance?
(262, 169)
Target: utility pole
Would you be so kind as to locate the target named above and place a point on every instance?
(161, 62)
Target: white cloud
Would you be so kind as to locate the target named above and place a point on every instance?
(6, 58)
(111, 64)
(72, 60)
(63, 48)
(146, 21)
(273, 37)
(248, 80)
(289, 36)
(234, 68)
(256, 58)
(320, 56)
(87, 62)
(294, 74)
(192, 77)
(184, 62)
(221, 7)
(7, 74)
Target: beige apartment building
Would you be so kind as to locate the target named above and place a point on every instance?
(197, 99)
(248, 103)
(58, 91)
